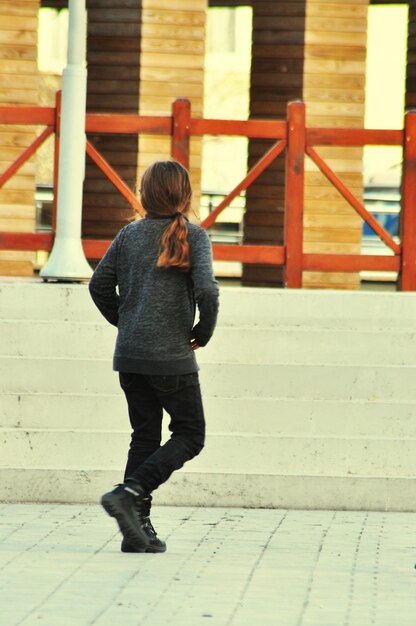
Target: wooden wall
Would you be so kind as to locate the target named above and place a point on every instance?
(172, 66)
(411, 59)
(18, 40)
(142, 55)
(113, 49)
(314, 51)
(276, 78)
(334, 92)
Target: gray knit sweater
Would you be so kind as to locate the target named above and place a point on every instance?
(155, 307)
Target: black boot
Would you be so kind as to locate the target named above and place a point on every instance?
(124, 504)
(156, 544)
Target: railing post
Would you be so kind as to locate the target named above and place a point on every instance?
(294, 193)
(58, 100)
(408, 215)
(181, 126)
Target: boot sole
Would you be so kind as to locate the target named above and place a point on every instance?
(149, 550)
(127, 530)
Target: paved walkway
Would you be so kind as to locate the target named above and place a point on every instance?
(61, 566)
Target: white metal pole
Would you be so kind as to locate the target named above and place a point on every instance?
(67, 260)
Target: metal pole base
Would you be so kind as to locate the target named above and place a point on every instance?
(67, 262)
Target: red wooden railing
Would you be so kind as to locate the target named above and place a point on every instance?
(290, 135)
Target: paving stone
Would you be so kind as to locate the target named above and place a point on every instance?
(61, 565)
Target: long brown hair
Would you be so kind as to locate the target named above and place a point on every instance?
(166, 192)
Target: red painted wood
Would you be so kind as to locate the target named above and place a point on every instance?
(181, 127)
(26, 241)
(127, 123)
(260, 129)
(353, 137)
(408, 216)
(264, 255)
(255, 171)
(43, 116)
(113, 177)
(349, 262)
(294, 194)
(352, 200)
(26, 154)
(95, 248)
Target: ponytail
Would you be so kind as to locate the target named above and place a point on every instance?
(174, 245)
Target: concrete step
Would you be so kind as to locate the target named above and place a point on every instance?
(188, 488)
(240, 380)
(259, 415)
(40, 338)
(226, 452)
(309, 397)
(239, 306)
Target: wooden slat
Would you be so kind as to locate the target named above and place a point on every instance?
(174, 18)
(102, 57)
(106, 30)
(332, 235)
(114, 14)
(174, 46)
(102, 4)
(267, 218)
(327, 9)
(18, 52)
(27, 115)
(352, 137)
(331, 247)
(334, 95)
(101, 86)
(268, 38)
(161, 60)
(17, 37)
(331, 51)
(16, 66)
(350, 263)
(270, 255)
(331, 220)
(175, 5)
(333, 66)
(119, 72)
(248, 128)
(17, 9)
(18, 23)
(261, 205)
(190, 33)
(16, 268)
(180, 75)
(25, 241)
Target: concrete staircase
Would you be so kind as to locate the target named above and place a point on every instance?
(310, 399)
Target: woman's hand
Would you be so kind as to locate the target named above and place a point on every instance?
(194, 344)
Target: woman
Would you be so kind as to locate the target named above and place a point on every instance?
(162, 267)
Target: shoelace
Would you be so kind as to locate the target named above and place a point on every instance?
(149, 526)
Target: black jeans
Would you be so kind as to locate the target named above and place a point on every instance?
(149, 464)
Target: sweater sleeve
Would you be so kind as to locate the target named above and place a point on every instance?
(103, 283)
(205, 288)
